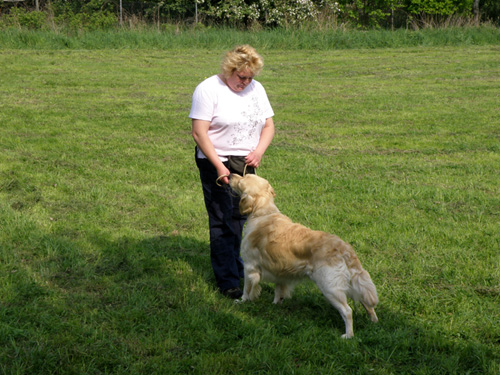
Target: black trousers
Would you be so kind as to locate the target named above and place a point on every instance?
(225, 224)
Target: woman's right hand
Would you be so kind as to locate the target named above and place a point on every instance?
(200, 135)
(223, 174)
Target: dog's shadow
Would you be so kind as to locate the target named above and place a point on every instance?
(306, 305)
(308, 311)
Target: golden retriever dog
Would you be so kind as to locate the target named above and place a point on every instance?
(277, 250)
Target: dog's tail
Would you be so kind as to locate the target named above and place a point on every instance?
(364, 291)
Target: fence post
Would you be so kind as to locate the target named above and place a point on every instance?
(121, 13)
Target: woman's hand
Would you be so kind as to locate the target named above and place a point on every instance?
(253, 159)
(222, 171)
(200, 136)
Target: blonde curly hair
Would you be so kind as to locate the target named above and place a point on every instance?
(241, 58)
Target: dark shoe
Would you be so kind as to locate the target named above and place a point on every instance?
(233, 293)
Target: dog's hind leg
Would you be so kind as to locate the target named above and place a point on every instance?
(333, 289)
(339, 300)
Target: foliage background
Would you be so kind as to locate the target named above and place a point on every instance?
(92, 14)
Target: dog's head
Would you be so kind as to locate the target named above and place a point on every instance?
(256, 193)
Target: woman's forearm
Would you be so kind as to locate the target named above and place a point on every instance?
(200, 136)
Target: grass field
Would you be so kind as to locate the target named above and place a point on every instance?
(104, 256)
(175, 37)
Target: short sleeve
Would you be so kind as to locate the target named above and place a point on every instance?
(268, 110)
(203, 104)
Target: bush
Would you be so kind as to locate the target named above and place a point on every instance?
(102, 20)
(22, 18)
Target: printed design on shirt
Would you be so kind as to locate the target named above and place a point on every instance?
(249, 127)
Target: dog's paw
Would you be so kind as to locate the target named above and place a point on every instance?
(347, 336)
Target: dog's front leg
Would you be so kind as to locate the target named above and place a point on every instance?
(279, 295)
(284, 289)
(251, 290)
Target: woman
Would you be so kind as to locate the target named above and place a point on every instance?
(232, 122)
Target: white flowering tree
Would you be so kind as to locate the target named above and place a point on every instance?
(266, 12)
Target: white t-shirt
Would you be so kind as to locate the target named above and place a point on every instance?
(236, 119)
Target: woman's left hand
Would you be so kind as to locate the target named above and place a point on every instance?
(253, 159)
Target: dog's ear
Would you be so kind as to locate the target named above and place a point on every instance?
(271, 191)
(246, 204)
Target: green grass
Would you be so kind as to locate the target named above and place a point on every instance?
(222, 38)
(104, 256)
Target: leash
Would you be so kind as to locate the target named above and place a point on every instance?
(218, 179)
(226, 175)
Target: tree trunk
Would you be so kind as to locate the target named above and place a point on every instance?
(476, 11)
